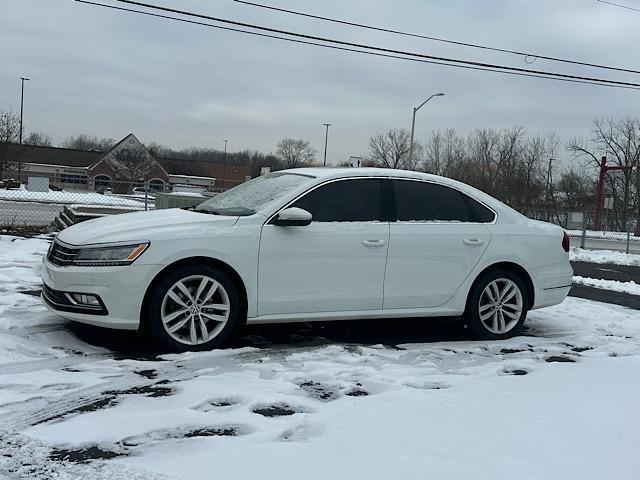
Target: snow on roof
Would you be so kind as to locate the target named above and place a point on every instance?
(322, 172)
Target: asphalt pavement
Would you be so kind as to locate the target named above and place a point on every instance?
(620, 273)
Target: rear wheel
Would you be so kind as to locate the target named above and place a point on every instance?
(497, 305)
(193, 308)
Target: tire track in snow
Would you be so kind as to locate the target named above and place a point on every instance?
(52, 363)
(176, 369)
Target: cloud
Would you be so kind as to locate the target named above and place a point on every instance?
(107, 73)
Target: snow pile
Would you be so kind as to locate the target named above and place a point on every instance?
(603, 256)
(625, 287)
(20, 260)
(64, 198)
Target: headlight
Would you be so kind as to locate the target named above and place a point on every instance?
(109, 256)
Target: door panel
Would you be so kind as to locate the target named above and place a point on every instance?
(323, 267)
(438, 238)
(427, 262)
(334, 264)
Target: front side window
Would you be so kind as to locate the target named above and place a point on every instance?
(429, 202)
(356, 200)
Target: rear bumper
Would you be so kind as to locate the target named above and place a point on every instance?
(552, 284)
(551, 296)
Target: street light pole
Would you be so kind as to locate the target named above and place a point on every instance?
(413, 123)
(326, 139)
(22, 79)
(224, 164)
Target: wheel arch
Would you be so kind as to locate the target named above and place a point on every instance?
(197, 260)
(515, 268)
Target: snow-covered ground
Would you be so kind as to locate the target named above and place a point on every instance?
(560, 402)
(603, 256)
(630, 287)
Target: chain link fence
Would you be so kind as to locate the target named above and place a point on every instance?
(615, 231)
(45, 205)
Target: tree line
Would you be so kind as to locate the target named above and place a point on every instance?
(519, 169)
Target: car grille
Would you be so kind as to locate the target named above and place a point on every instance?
(61, 256)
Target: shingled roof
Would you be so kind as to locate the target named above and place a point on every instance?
(67, 157)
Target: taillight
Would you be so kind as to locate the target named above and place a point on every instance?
(565, 242)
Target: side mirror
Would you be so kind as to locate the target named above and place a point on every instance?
(293, 217)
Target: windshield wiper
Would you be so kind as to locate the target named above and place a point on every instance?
(231, 211)
(210, 211)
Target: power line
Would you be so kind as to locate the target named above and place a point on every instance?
(378, 49)
(438, 39)
(542, 75)
(615, 5)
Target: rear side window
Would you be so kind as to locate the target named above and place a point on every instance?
(478, 212)
(428, 202)
(358, 200)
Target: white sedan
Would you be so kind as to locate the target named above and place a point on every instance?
(310, 244)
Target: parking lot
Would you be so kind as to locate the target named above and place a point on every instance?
(88, 403)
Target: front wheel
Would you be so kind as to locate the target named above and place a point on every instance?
(497, 305)
(193, 308)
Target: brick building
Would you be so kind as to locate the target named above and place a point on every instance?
(92, 170)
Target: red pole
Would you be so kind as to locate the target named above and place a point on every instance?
(600, 195)
(637, 231)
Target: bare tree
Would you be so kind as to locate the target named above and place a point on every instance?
(619, 140)
(444, 152)
(9, 134)
(89, 142)
(131, 164)
(40, 139)
(575, 188)
(391, 149)
(294, 153)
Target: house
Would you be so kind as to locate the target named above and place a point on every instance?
(118, 167)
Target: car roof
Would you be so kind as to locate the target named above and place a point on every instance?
(332, 172)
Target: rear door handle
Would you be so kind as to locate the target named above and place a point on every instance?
(473, 242)
(374, 243)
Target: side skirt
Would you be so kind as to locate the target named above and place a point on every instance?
(355, 315)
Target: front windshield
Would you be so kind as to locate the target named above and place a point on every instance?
(254, 195)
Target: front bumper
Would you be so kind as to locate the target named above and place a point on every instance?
(120, 289)
(62, 301)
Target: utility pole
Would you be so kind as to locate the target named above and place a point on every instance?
(413, 123)
(326, 139)
(22, 79)
(224, 164)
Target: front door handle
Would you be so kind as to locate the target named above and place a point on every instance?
(374, 243)
(473, 242)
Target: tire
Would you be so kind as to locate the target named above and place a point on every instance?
(176, 317)
(495, 320)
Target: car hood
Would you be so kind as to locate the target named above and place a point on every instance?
(139, 226)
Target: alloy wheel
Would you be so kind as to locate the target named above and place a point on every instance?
(195, 309)
(500, 306)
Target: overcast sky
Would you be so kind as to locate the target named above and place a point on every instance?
(106, 73)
